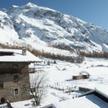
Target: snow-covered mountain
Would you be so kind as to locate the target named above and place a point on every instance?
(45, 28)
(7, 31)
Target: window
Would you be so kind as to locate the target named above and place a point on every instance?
(15, 68)
(1, 85)
(16, 91)
(16, 78)
(6, 53)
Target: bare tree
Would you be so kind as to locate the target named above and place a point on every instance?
(38, 87)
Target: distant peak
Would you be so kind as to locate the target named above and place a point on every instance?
(15, 6)
(32, 5)
(29, 4)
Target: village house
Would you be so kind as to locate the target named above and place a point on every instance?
(14, 74)
(82, 75)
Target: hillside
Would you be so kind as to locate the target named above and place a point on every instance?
(50, 31)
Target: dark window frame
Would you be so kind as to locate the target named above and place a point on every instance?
(1, 85)
(16, 91)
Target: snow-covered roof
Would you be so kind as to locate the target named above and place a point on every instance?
(90, 101)
(17, 56)
(102, 89)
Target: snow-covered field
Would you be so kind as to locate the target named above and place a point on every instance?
(57, 75)
(62, 71)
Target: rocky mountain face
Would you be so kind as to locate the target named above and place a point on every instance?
(50, 30)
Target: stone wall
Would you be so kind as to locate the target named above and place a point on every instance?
(16, 85)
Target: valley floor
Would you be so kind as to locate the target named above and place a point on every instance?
(59, 81)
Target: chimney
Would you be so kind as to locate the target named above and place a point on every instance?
(23, 51)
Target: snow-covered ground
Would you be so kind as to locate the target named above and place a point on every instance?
(57, 75)
(97, 68)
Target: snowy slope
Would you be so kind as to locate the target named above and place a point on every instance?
(47, 27)
(8, 35)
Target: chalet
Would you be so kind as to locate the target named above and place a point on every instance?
(82, 75)
(14, 74)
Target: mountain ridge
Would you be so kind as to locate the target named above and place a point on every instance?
(49, 30)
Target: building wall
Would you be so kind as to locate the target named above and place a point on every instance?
(15, 85)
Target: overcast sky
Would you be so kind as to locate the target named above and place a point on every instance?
(93, 11)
